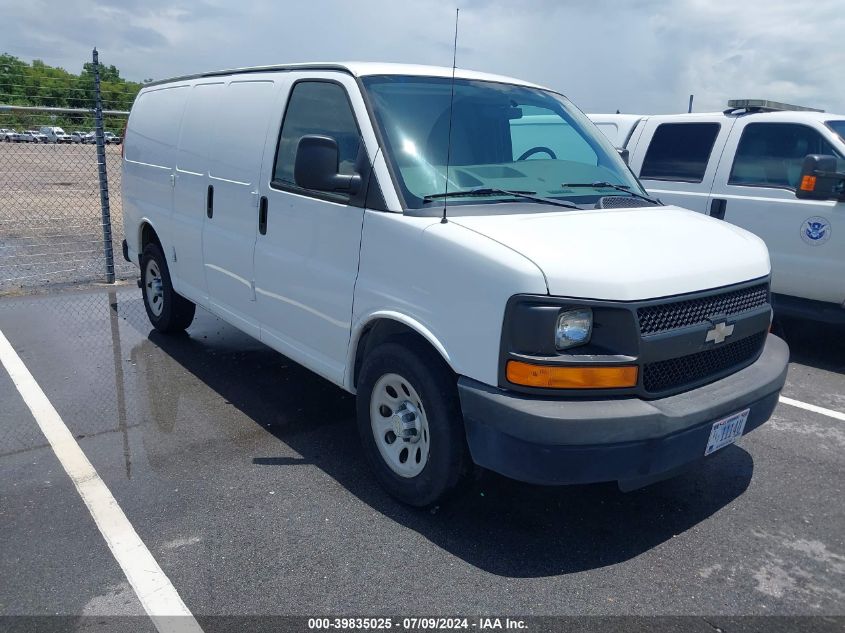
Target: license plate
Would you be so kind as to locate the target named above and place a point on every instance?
(725, 431)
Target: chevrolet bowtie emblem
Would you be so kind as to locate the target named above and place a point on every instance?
(719, 333)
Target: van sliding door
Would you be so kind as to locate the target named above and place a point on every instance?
(201, 116)
(231, 198)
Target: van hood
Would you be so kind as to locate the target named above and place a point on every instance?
(628, 254)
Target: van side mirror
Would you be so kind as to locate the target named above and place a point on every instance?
(316, 166)
(819, 179)
(624, 153)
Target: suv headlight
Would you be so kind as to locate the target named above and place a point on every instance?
(574, 327)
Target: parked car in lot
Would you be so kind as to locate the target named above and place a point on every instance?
(111, 138)
(774, 169)
(77, 136)
(535, 312)
(55, 135)
(29, 136)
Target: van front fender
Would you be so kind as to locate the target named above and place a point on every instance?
(365, 324)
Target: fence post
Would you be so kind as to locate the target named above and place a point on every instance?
(101, 169)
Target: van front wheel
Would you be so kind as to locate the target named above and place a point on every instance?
(167, 310)
(410, 422)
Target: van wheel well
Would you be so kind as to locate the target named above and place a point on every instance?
(148, 236)
(383, 330)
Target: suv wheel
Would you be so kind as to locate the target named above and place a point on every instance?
(167, 310)
(410, 422)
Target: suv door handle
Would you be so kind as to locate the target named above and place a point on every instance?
(209, 201)
(717, 208)
(262, 215)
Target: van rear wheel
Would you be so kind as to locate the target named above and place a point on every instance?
(168, 311)
(410, 422)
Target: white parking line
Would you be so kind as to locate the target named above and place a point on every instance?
(155, 591)
(812, 407)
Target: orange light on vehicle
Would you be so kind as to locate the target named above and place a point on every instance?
(808, 183)
(554, 377)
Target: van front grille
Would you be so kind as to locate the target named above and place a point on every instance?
(675, 373)
(664, 317)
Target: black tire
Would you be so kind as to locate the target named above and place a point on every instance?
(175, 312)
(436, 386)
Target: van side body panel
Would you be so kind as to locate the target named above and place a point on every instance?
(148, 166)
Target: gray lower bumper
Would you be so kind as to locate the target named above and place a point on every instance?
(545, 440)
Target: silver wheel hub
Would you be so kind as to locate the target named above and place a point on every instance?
(406, 422)
(154, 287)
(399, 425)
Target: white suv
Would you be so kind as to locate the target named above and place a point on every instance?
(452, 263)
(775, 169)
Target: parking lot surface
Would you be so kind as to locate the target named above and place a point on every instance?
(242, 474)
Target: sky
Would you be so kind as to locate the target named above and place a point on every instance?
(637, 56)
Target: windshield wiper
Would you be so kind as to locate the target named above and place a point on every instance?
(491, 191)
(623, 188)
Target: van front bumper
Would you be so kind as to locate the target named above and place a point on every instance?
(629, 440)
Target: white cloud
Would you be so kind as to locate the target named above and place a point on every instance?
(639, 56)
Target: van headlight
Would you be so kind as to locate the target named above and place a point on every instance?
(574, 327)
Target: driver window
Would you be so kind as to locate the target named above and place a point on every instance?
(542, 134)
(317, 107)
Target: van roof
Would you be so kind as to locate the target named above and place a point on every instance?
(361, 69)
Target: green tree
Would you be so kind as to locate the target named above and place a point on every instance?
(38, 84)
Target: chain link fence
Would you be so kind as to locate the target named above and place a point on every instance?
(61, 220)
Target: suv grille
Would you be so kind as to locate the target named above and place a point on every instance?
(670, 316)
(678, 372)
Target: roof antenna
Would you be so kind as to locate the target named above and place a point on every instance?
(451, 103)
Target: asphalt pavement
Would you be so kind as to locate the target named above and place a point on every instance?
(242, 474)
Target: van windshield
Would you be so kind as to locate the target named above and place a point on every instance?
(503, 136)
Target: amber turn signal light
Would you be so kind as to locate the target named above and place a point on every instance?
(555, 377)
(808, 183)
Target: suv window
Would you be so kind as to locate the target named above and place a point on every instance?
(771, 154)
(317, 107)
(679, 151)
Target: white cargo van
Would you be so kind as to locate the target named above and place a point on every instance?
(749, 166)
(55, 134)
(456, 266)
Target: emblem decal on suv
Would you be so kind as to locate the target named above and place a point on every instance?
(815, 230)
(719, 333)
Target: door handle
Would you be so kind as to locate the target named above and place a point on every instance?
(262, 215)
(717, 208)
(209, 201)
